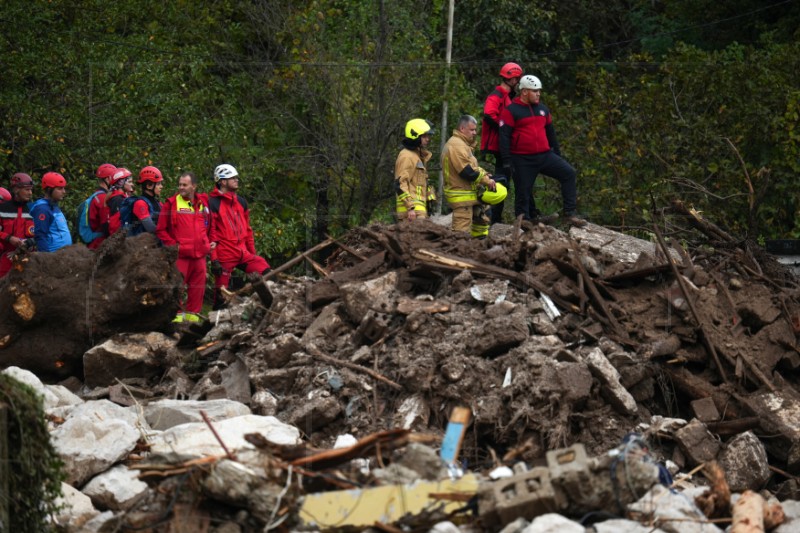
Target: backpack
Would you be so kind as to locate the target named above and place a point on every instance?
(126, 219)
(85, 231)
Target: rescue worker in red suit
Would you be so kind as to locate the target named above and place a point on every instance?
(147, 207)
(232, 242)
(184, 222)
(121, 187)
(98, 214)
(16, 223)
(498, 99)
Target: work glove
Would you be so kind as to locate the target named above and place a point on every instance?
(216, 267)
(28, 244)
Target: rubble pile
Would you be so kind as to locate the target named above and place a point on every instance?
(606, 376)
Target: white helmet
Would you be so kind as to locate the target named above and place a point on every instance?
(530, 82)
(225, 171)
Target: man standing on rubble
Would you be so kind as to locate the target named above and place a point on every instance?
(184, 222)
(529, 146)
(463, 177)
(16, 223)
(410, 171)
(232, 241)
(50, 229)
(493, 106)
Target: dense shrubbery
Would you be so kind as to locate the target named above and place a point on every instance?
(308, 99)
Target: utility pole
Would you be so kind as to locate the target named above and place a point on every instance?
(448, 56)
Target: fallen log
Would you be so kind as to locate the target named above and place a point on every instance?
(55, 306)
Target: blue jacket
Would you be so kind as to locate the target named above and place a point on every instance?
(49, 226)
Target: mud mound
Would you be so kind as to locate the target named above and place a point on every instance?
(55, 306)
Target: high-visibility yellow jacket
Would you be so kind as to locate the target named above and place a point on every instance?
(411, 179)
(462, 175)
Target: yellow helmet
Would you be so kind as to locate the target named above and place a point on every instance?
(494, 197)
(418, 126)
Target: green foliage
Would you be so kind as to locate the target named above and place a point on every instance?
(308, 99)
(36, 471)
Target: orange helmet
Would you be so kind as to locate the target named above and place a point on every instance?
(150, 174)
(53, 179)
(105, 171)
(510, 70)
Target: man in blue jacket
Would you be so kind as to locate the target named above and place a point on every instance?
(49, 224)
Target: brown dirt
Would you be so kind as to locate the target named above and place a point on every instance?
(72, 299)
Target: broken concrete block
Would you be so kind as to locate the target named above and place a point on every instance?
(242, 486)
(118, 489)
(198, 440)
(705, 410)
(319, 409)
(361, 508)
(165, 414)
(744, 461)
(527, 495)
(135, 355)
(378, 294)
(372, 328)
(697, 443)
(615, 393)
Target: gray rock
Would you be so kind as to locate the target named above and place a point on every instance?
(49, 398)
(165, 414)
(674, 512)
(615, 393)
(553, 523)
(697, 443)
(745, 463)
(75, 508)
(135, 355)
(117, 489)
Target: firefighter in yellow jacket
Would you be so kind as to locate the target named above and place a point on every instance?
(411, 172)
(465, 181)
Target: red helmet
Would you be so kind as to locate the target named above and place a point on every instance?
(4, 194)
(511, 70)
(20, 179)
(121, 174)
(53, 179)
(150, 174)
(105, 171)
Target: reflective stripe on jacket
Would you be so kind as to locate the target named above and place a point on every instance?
(186, 224)
(411, 179)
(456, 156)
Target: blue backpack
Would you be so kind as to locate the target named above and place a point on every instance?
(84, 229)
(127, 221)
